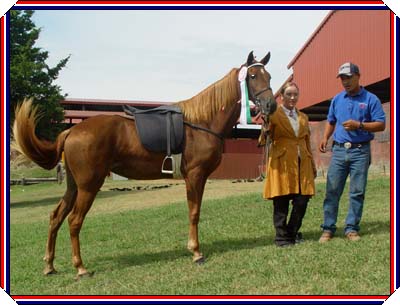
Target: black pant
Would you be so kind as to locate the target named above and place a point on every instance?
(286, 231)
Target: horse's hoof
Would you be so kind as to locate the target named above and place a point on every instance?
(200, 261)
(84, 275)
(49, 271)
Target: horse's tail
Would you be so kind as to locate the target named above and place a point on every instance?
(44, 153)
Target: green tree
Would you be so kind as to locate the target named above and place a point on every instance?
(31, 77)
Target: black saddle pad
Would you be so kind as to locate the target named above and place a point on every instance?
(152, 127)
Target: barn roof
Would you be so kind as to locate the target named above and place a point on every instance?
(360, 36)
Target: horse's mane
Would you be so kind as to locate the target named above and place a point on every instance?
(203, 106)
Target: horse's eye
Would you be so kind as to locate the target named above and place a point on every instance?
(252, 76)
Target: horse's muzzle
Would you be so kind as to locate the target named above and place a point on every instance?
(266, 106)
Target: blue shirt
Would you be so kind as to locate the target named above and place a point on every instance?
(363, 107)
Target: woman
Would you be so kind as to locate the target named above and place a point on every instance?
(291, 169)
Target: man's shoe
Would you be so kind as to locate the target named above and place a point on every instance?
(325, 237)
(353, 236)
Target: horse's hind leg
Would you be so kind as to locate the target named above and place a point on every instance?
(56, 219)
(82, 205)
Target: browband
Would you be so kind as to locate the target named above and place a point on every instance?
(255, 64)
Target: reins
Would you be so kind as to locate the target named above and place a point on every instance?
(218, 135)
(267, 143)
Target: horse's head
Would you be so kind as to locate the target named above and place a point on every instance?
(258, 83)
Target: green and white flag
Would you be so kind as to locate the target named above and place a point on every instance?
(245, 117)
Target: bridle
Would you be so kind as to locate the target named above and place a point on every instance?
(264, 117)
(256, 99)
(261, 91)
(255, 96)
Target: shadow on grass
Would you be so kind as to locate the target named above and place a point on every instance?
(367, 228)
(209, 249)
(222, 246)
(54, 200)
(35, 203)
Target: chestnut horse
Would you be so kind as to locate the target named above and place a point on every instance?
(107, 143)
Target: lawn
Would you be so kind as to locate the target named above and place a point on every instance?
(137, 248)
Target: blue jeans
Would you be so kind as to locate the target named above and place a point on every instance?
(354, 162)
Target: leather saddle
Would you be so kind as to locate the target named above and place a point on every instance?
(160, 129)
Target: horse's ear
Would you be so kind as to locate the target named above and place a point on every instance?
(250, 59)
(265, 60)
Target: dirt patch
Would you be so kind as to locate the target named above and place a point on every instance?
(143, 188)
(36, 202)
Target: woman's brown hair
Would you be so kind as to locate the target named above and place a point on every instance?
(287, 85)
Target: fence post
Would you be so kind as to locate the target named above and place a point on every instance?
(59, 173)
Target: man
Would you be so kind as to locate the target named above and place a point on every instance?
(354, 115)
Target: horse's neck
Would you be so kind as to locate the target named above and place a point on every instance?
(225, 119)
(202, 108)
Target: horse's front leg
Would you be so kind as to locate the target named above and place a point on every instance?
(194, 188)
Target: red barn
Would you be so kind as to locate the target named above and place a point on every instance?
(360, 36)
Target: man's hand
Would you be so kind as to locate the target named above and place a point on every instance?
(322, 146)
(350, 125)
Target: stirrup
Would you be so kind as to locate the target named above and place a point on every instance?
(166, 171)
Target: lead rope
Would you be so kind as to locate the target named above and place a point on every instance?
(267, 144)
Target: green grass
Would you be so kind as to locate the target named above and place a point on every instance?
(143, 252)
(30, 170)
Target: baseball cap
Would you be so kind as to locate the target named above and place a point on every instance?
(348, 69)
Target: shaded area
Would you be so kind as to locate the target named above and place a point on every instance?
(226, 245)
